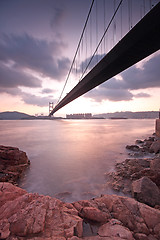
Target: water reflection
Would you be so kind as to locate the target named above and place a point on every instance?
(71, 156)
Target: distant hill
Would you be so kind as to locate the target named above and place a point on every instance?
(14, 116)
(131, 115)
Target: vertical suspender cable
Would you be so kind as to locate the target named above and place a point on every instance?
(97, 27)
(76, 50)
(121, 22)
(104, 5)
(102, 37)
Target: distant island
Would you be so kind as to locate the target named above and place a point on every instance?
(14, 116)
(116, 115)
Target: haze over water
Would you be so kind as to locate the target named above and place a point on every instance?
(72, 155)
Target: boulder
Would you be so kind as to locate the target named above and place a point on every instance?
(146, 191)
(155, 147)
(113, 231)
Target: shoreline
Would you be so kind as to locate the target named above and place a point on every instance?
(33, 216)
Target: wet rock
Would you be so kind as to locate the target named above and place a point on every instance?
(139, 141)
(63, 195)
(13, 162)
(144, 190)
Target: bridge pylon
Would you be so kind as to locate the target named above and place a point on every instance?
(50, 107)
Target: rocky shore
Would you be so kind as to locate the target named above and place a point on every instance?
(110, 217)
(139, 177)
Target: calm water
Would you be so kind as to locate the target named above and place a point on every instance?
(72, 155)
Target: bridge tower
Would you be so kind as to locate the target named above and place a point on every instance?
(50, 107)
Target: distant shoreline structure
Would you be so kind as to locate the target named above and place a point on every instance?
(79, 116)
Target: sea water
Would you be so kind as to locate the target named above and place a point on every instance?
(71, 157)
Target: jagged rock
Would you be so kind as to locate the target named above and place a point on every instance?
(13, 162)
(144, 190)
(155, 147)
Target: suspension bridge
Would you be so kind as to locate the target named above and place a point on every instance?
(140, 41)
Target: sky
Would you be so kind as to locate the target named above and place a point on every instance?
(38, 40)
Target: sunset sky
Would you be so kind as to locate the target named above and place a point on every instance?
(38, 40)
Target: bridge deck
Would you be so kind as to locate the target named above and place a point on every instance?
(138, 43)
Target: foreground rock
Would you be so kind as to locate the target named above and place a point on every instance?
(32, 216)
(13, 162)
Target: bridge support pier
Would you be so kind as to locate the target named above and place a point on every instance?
(158, 128)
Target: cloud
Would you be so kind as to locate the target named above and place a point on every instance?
(132, 79)
(57, 17)
(11, 78)
(142, 95)
(148, 77)
(115, 95)
(36, 100)
(28, 98)
(11, 91)
(47, 90)
(37, 17)
(41, 56)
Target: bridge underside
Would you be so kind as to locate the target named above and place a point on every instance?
(140, 42)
